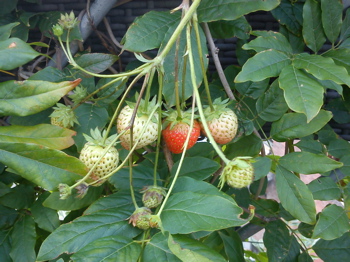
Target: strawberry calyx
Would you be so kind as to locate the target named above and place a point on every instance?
(145, 108)
(219, 106)
(97, 138)
(172, 118)
(63, 116)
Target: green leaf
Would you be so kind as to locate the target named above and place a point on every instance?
(296, 41)
(290, 15)
(111, 248)
(308, 163)
(96, 62)
(322, 68)
(20, 197)
(14, 52)
(43, 166)
(198, 168)
(73, 202)
(157, 250)
(312, 25)
(28, 97)
(183, 206)
(50, 74)
(5, 30)
(280, 244)
(46, 218)
(294, 125)
(50, 136)
(8, 6)
(209, 10)
(268, 63)
(186, 183)
(239, 28)
(103, 218)
(148, 31)
(233, 246)
(246, 146)
(269, 40)
(324, 188)
(346, 161)
(309, 145)
(272, 105)
(142, 176)
(89, 117)
(338, 148)
(23, 240)
(262, 166)
(332, 223)
(188, 249)
(184, 79)
(252, 89)
(340, 57)
(332, 11)
(334, 250)
(296, 83)
(5, 246)
(295, 197)
(345, 27)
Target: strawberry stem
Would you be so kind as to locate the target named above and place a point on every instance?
(201, 58)
(181, 159)
(176, 71)
(199, 103)
(132, 193)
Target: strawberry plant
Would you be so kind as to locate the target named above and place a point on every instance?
(173, 157)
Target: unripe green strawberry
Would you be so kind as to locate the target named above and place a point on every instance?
(143, 113)
(152, 196)
(140, 218)
(238, 173)
(91, 153)
(222, 122)
(63, 116)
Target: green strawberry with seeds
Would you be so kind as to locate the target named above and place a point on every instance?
(222, 122)
(143, 113)
(141, 218)
(93, 150)
(152, 196)
(238, 173)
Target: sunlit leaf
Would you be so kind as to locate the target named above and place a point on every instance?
(50, 136)
(268, 63)
(210, 10)
(28, 97)
(43, 166)
(14, 52)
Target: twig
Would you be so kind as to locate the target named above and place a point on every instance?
(214, 52)
(110, 33)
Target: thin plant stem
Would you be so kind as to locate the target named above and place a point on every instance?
(201, 58)
(132, 193)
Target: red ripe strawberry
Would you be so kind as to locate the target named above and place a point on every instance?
(151, 133)
(222, 122)
(176, 131)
